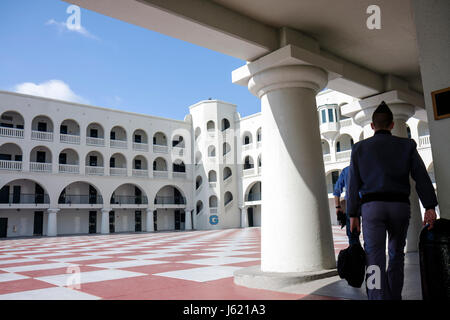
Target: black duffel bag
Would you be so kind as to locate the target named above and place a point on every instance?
(351, 265)
(434, 253)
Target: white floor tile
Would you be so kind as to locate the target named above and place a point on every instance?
(126, 264)
(4, 277)
(217, 261)
(201, 274)
(33, 267)
(56, 293)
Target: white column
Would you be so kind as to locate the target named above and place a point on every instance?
(149, 223)
(244, 217)
(105, 220)
(296, 229)
(52, 222)
(401, 112)
(188, 219)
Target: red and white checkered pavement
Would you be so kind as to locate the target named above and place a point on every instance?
(167, 265)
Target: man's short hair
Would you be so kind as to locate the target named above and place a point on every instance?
(382, 117)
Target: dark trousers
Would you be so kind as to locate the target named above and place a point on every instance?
(379, 217)
(353, 237)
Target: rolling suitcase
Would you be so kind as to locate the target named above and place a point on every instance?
(434, 254)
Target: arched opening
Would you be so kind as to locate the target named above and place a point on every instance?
(259, 161)
(69, 131)
(178, 141)
(68, 161)
(118, 137)
(225, 124)
(41, 159)
(247, 138)
(23, 191)
(94, 163)
(10, 157)
(42, 128)
(227, 173)
(325, 147)
(331, 179)
(140, 140)
(140, 166)
(118, 165)
(212, 176)
(80, 192)
(159, 164)
(258, 135)
(228, 198)
(128, 193)
(11, 120)
(226, 148)
(95, 135)
(211, 151)
(178, 166)
(254, 194)
(213, 201)
(199, 207)
(344, 143)
(159, 139)
(210, 126)
(248, 163)
(169, 195)
(198, 158)
(198, 182)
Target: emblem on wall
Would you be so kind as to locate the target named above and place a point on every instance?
(213, 219)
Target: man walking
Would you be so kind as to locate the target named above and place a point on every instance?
(379, 171)
(341, 183)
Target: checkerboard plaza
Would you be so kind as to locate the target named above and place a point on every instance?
(68, 168)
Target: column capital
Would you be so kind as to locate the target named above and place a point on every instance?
(107, 210)
(53, 210)
(287, 67)
(150, 209)
(401, 104)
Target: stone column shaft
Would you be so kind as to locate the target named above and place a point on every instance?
(52, 224)
(105, 220)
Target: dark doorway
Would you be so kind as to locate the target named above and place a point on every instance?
(38, 223)
(63, 129)
(38, 194)
(42, 126)
(137, 221)
(177, 219)
(92, 221)
(137, 138)
(137, 195)
(250, 217)
(3, 227)
(63, 158)
(4, 194)
(155, 220)
(93, 161)
(93, 133)
(16, 194)
(183, 220)
(40, 156)
(92, 195)
(112, 222)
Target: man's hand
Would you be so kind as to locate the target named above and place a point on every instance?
(354, 224)
(429, 218)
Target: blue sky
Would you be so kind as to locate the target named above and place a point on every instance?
(111, 63)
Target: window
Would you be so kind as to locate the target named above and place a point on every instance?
(112, 162)
(40, 156)
(62, 158)
(112, 135)
(42, 126)
(137, 138)
(324, 116)
(137, 164)
(338, 147)
(63, 129)
(93, 161)
(334, 177)
(330, 115)
(94, 133)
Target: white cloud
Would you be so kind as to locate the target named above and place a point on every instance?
(55, 89)
(62, 26)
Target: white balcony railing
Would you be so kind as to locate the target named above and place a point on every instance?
(211, 133)
(345, 123)
(95, 171)
(424, 141)
(228, 180)
(211, 159)
(119, 144)
(69, 168)
(180, 175)
(90, 141)
(258, 144)
(327, 157)
(160, 174)
(140, 146)
(69, 138)
(160, 149)
(343, 155)
(140, 173)
(41, 135)
(213, 210)
(246, 147)
(118, 171)
(10, 165)
(249, 172)
(11, 132)
(40, 167)
(212, 184)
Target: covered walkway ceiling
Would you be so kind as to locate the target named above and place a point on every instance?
(249, 29)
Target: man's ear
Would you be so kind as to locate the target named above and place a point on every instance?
(372, 125)
(391, 126)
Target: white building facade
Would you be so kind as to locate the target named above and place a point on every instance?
(67, 168)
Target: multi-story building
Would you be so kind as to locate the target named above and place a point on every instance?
(68, 168)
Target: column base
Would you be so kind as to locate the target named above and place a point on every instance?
(253, 277)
